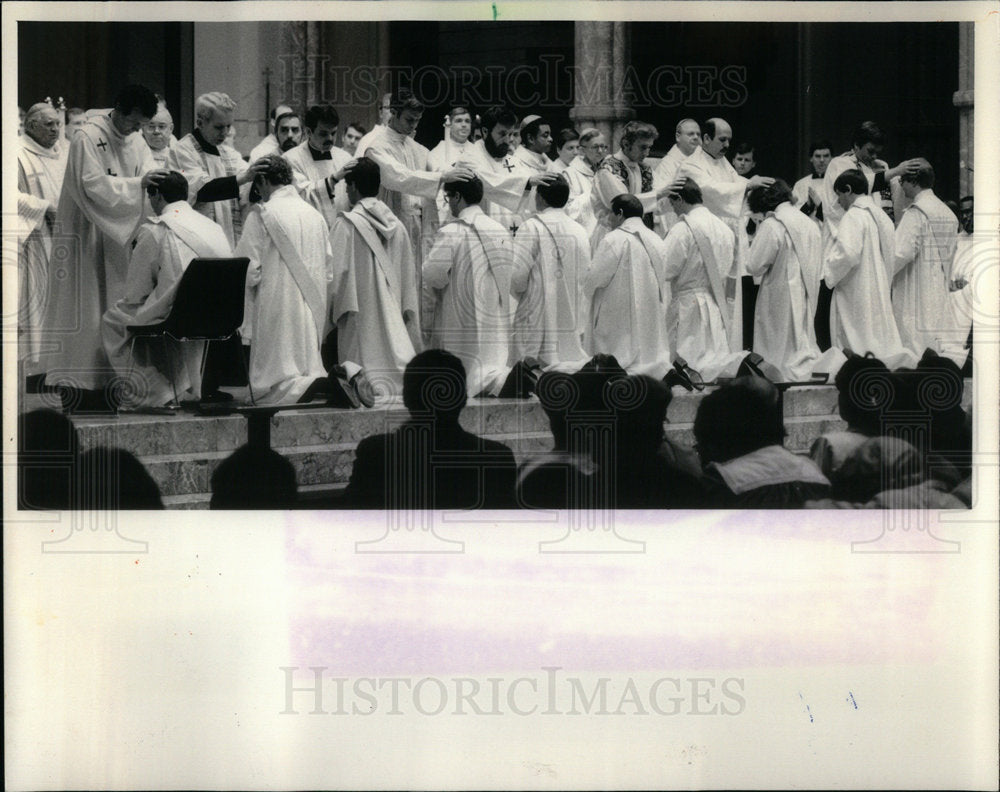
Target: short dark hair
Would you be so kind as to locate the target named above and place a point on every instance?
(565, 135)
(627, 205)
(357, 126)
(740, 417)
(708, 128)
(254, 478)
(403, 99)
(865, 390)
(689, 192)
(924, 177)
(434, 384)
(277, 170)
(767, 199)
(322, 114)
(365, 176)
(853, 181)
(819, 145)
(636, 130)
(471, 190)
(868, 132)
(556, 192)
(744, 148)
(136, 97)
(531, 130)
(172, 187)
(497, 115)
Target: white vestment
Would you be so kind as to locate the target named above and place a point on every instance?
(288, 245)
(787, 255)
(557, 165)
(551, 258)
(310, 180)
(100, 208)
(162, 156)
(269, 145)
(163, 250)
(580, 176)
(663, 176)
(505, 182)
(861, 311)
(444, 156)
(409, 187)
(467, 290)
(607, 186)
(723, 191)
(925, 248)
(699, 313)
(40, 173)
(373, 296)
(800, 196)
(200, 166)
(629, 298)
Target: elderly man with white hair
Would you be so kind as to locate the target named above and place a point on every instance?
(215, 171)
(158, 134)
(41, 163)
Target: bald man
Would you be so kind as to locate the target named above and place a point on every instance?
(687, 138)
(158, 134)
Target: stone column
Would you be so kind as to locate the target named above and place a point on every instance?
(963, 99)
(602, 55)
(303, 63)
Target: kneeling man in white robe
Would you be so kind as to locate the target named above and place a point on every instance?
(288, 244)
(467, 289)
(701, 266)
(164, 247)
(858, 269)
(551, 257)
(629, 293)
(374, 301)
(786, 255)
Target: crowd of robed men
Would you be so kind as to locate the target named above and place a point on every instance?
(516, 262)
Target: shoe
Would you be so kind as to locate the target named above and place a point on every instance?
(341, 393)
(78, 401)
(687, 377)
(216, 396)
(754, 365)
(521, 381)
(363, 388)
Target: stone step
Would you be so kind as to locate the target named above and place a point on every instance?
(182, 451)
(146, 435)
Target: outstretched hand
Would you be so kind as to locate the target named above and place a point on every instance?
(542, 179)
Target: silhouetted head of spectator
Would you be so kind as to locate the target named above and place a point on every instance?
(112, 478)
(434, 386)
(865, 391)
(46, 460)
(640, 407)
(576, 405)
(254, 478)
(737, 419)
